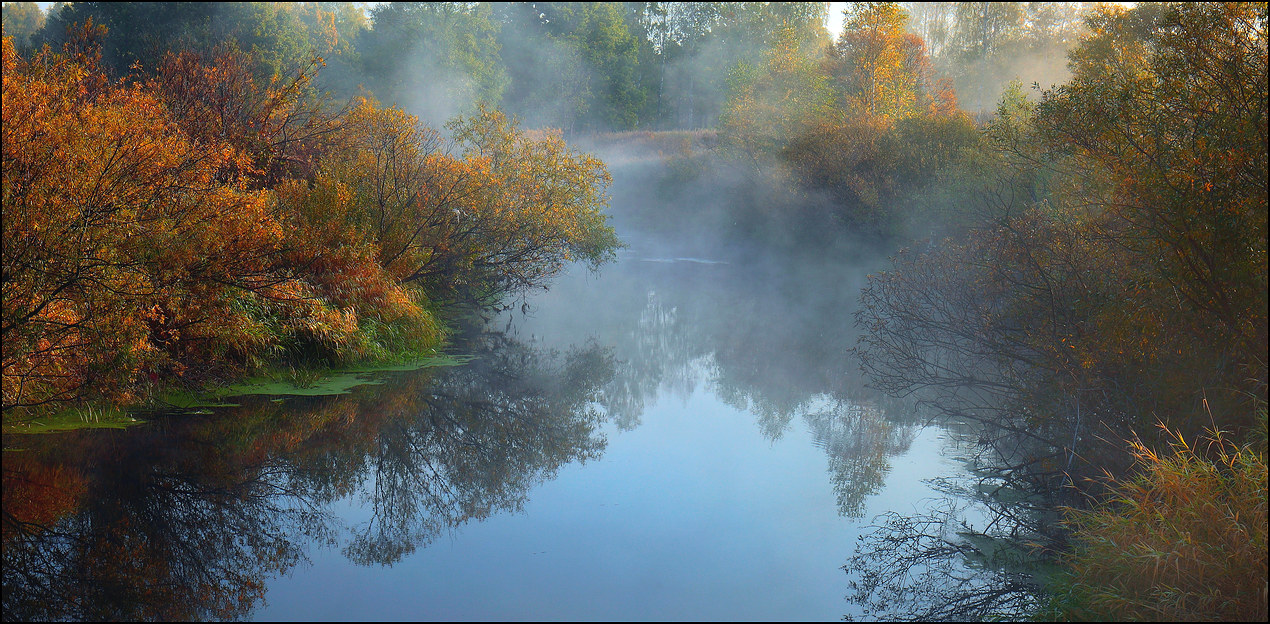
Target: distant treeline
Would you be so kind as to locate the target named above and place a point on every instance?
(575, 66)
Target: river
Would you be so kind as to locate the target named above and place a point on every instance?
(681, 436)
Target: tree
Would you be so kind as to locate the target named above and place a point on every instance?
(865, 125)
(138, 35)
(714, 38)
(109, 217)
(1164, 127)
(771, 104)
(435, 59)
(500, 216)
(879, 69)
(578, 61)
(21, 21)
(1117, 270)
(981, 46)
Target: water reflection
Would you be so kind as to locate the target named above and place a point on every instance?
(481, 438)
(188, 518)
(768, 338)
(976, 552)
(141, 529)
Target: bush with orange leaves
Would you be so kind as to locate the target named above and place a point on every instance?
(197, 225)
(111, 217)
(130, 256)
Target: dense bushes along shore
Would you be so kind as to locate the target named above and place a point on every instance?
(198, 222)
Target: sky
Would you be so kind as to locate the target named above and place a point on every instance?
(834, 26)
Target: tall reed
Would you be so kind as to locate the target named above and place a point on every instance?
(1184, 539)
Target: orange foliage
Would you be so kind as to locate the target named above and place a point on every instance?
(108, 212)
(38, 494)
(197, 223)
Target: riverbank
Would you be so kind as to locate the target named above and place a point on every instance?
(289, 381)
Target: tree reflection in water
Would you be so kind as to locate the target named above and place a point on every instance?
(484, 435)
(775, 342)
(188, 517)
(979, 552)
(163, 545)
(783, 357)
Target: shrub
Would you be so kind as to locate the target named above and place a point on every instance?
(1183, 540)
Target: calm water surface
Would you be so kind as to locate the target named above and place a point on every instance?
(678, 437)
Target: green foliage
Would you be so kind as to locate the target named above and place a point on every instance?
(603, 39)
(21, 20)
(276, 36)
(700, 45)
(75, 419)
(435, 59)
(575, 65)
(771, 103)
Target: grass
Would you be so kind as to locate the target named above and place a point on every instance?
(1183, 540)
(276, 382)
(84, 417)
(307, 381)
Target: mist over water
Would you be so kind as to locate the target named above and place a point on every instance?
(682, 435)
(743, 457)
(614, 311)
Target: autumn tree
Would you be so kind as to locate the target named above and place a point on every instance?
(500, 214)
(1164, 127)
(100, 226)
(279, 127)
(863, 122)
(206, 214)
(1115, 273)
(879, 69)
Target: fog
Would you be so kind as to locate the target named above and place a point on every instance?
(815, 242)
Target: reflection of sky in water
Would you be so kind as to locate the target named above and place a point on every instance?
(693, 514)
(743, 458)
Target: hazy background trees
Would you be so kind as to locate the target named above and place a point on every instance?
(575, 66)
(1112, 275)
